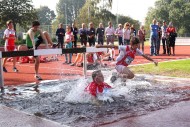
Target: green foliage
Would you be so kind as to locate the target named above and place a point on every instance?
(92, 11)
(45, 15)
(72, 9)
(176, 11)
(123, 19)
(20, 11)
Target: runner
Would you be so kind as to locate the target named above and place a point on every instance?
(97, 86)
(34, 37)
(9, 37)
(125, 58)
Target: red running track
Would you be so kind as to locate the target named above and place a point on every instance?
(58, 70)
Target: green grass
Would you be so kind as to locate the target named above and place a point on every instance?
(174, 69)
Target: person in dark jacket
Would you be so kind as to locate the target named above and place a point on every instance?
(83, 35)
(91, 35)
(100, 34)
(60, 33)
(75, 32)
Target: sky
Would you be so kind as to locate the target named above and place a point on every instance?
(136, 9)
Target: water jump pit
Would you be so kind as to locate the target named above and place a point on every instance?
(65, 101)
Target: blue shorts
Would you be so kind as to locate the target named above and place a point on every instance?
(69, 45)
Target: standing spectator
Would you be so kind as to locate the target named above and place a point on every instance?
(74, 29)
(153, 37)
(164, 39)
(100, 34)
(109, 31)
(83, 34)
(60, 33)
(141, 35)
(9, 37)
(34, 37)
(171, 31)
(119, 33)
(68, 40)
(133, 31)
(159, 38)
(91, 34)
(126, 33)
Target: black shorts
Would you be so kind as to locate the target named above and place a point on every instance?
(37, 44)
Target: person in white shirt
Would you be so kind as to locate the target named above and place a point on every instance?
(119, 33)
(109, 32)
(126, 33)
(10, 37)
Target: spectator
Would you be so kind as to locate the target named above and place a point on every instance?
(83, 35)
(110, 55)
(119, 33)
(100, 34)
(10, 37)
(159, 38)
(164, 39)
(109, 31)
(75, 32)
(153, 37)
(171, 31)
(78, 61)
(141, 35)
(126, 34)
(68, 40)
(60, 33)
(133, 31)
(91, 34)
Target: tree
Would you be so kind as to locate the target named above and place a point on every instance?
(45, 15)
(20, 11)
(123, 19)
(176, 11)
(96, 12)
(69, 8)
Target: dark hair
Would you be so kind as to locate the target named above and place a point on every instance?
(35, 23)
(94, 74)
(134, 40)
(9, 22)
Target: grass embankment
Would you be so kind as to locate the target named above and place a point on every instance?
(174, 69)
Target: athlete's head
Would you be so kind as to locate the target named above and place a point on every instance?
(134, 42)
(97, 76)
(35, 25)
(9, 24)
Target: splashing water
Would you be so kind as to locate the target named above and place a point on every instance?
(67, 102)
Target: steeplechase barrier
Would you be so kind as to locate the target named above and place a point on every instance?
(41, 52)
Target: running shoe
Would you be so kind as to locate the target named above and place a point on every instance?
(72, 64)
(4, 69)
(2, 90)
(15, 69)
(113, 78)
(38, 77)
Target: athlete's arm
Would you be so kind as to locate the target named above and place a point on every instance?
(150, 59)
